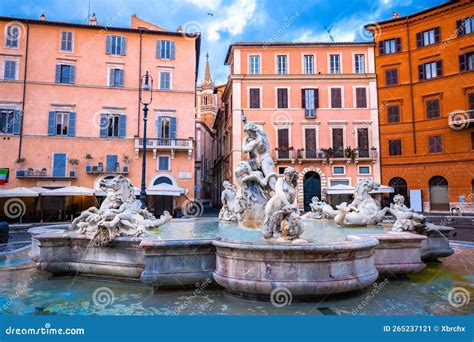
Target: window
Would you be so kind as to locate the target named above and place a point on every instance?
(339, 182)
(470, 99)
(338, 142)
(432, 109)
(59, 164)
(336, 98)
(12, 36)
(116, 45)
(395, 147)
(282, 98)
(364, 170)
(435, 144)
(338, 170)
(66, 41)
(165, 80)
(310, 101)
(393, 113)
(254, 64)
(465, 26)
(9, 121)
(112, 125)
(10, 70)
(466, 61)
(165, 49)
(430, 70)
(281, 65)
(254, 94)
(361, 97)
(281, 170)
(390, 46)
(165, 127)
(62, 123)
(428, 37)
(334, 64)
(283, 143)
(65, 73)
(359, 63)
(310, 142)
(363, 142)
(111, 164)
(115, 77)
(163, 163)
(391, 77)
(308, 64)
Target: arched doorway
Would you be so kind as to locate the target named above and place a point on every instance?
(161, 203)
(311, 188)
(401, 188)
(439, 194)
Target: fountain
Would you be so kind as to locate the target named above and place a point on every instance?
(324, 252)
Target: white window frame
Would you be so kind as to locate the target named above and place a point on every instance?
(60, 41)
(63, 114)
(354, 96)
(52, 162)
(284, 125)
(261, 97)
(338, 174)
(112, 52)
(340, 63)
(114, 66)
(166, 43)
(170, 71)
(158, 162)
(18, 38)
(343, 105)
(354, 69)
(287, 66)
(259, 63)
(303, 63)
(429, 66)
(430, 35)
(364, 174)
(348, 179)
(394, 40)
(17, 67)
(365, 124)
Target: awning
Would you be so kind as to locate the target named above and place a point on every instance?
(164, 189)
(340, 189)
(69, 191)
(383, 189)
(19, 192)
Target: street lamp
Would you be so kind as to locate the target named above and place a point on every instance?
(147, 82)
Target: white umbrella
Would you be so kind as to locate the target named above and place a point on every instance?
(19, 192)
(69, 191)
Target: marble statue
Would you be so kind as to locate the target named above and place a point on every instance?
(255, 177)
(363, 210)
(282, 219)
(119, 215)
(320, 210)
(406, 218)
(228, 212)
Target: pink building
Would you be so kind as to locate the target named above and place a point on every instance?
(77, 87)
(317, 102)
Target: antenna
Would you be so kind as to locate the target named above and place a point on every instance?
(88, 12)
(328, 30)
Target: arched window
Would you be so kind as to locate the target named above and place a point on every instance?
(439, 193)
(400, 186)
(162, 180)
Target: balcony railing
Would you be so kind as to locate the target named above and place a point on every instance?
(43, 173)
(171, 145)
(324, 154)
(284, 153)
(99, 169)
(461, 119)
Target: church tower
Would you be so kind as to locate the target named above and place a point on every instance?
(207, 100)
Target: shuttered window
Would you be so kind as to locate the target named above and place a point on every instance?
(9, 70)
(466, 61)
(428, 37)
(66, 41)
(430, 70)
(390, 46)
(9, 121)
(111, 164)
(432, 109)
(361, 97)
(395, 147)
(310, 101)
(282, 97)
(310, 142)
(116, 45)
(165, 80)
(363, 142)
(254, 94)
(113, 125)
(283, 143)
(391, 77)
(163, 163)
(62, 123)
(435, 144)
(336, 98)
(165, 49)
(393, 114)
(59, 164)
(116, 77)
(338, 141)
(65, 73)
(165, 127)
(465, 26)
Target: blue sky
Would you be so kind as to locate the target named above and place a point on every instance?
(231, 20)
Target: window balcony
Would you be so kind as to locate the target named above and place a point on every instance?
(281, 154)
(171, 145)
(99, 169)
(330, 155)
(43, 173)
(461, 119)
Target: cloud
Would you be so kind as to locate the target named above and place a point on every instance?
(235, 18)
(209, 4)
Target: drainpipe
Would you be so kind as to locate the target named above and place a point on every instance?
(139, 78)
(24, 88)
(411, 89)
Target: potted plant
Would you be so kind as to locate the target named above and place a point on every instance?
(89, 156)
(350, 153)
(329, 152)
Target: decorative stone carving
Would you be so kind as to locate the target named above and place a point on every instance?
(255, 177)
(320, 210)
(363, 210)
(282, 219)
(229, 203)
(119, 215)
(406, 218)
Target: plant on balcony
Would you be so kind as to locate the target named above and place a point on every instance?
(329, 152)
(126, 159)
(20, 160)
(74, 162)
(350, 153)
(89, 156)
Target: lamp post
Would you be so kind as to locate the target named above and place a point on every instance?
(147, 82)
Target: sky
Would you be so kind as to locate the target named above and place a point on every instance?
(222, 22)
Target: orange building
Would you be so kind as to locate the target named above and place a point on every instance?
(424, 65)
(70, 111)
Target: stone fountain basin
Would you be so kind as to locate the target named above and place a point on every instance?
(306, 270)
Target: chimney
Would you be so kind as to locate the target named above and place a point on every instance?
(179, 29)
(43, 17)
(395, 15)
(93, 20)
